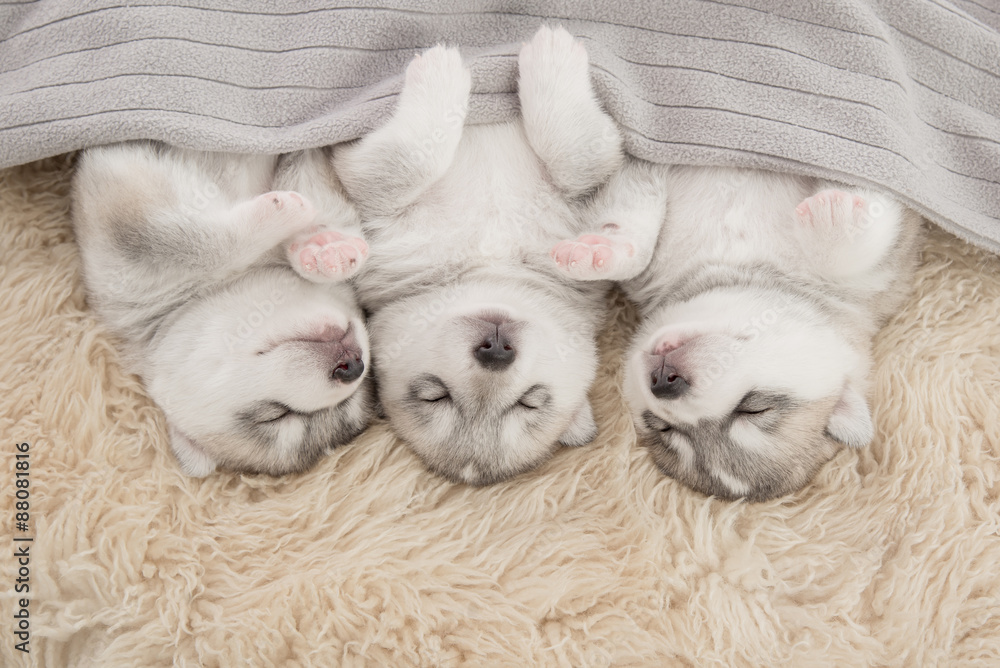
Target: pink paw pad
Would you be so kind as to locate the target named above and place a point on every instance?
(330, 254)
(589, 251)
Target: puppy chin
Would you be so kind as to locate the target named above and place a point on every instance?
(483, 474)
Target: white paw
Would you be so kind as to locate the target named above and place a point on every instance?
(835, 213)
(592, 257)
(327, 255)
(846, 234)
(283, 208)
(555, 54)
(435, 66)
(553, 69)
(437, 80)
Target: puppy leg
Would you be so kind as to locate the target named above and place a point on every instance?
(578, 143)
(226, 241)
(332, 250)
(182, 240)
(847, 234)
(388, 169)
(161, 222)
(625, 217)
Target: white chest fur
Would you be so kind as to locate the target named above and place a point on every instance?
(494, 208)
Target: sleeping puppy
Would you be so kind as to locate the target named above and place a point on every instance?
(750, 368)
(483, 346)
(222, 276)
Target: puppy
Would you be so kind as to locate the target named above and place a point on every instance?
(750, 368)
(483, 345)
(228, 298)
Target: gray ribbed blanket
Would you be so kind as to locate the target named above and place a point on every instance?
(901, 94)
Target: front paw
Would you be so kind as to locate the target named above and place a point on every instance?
(593, 257)
(846, 234)
(553, 55)
(326, 255)
(437, 80)
(835, 214)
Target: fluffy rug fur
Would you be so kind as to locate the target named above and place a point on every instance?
(890, 558)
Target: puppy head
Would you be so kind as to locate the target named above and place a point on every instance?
(745, 394)
(265, 375)
(485, 381)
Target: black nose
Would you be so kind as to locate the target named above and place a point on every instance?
(495, 352)
(666, 383)
(349, 369)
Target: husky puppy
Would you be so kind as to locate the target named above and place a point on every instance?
(222, 275)
(750, 368)
(483, 346)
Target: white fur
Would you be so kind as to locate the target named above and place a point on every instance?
(763, 285)
(198, 270)
(462, 221)
(736, 486)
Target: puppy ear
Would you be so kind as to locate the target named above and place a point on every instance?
(582, 429)
(194, 461)
(851, 422)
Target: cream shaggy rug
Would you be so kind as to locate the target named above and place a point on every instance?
(890, 558)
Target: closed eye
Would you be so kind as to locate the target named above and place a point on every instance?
(536, 397)
(270, 412)
(758, 411)
(758, 402)
(655, 423)
(431, 390)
